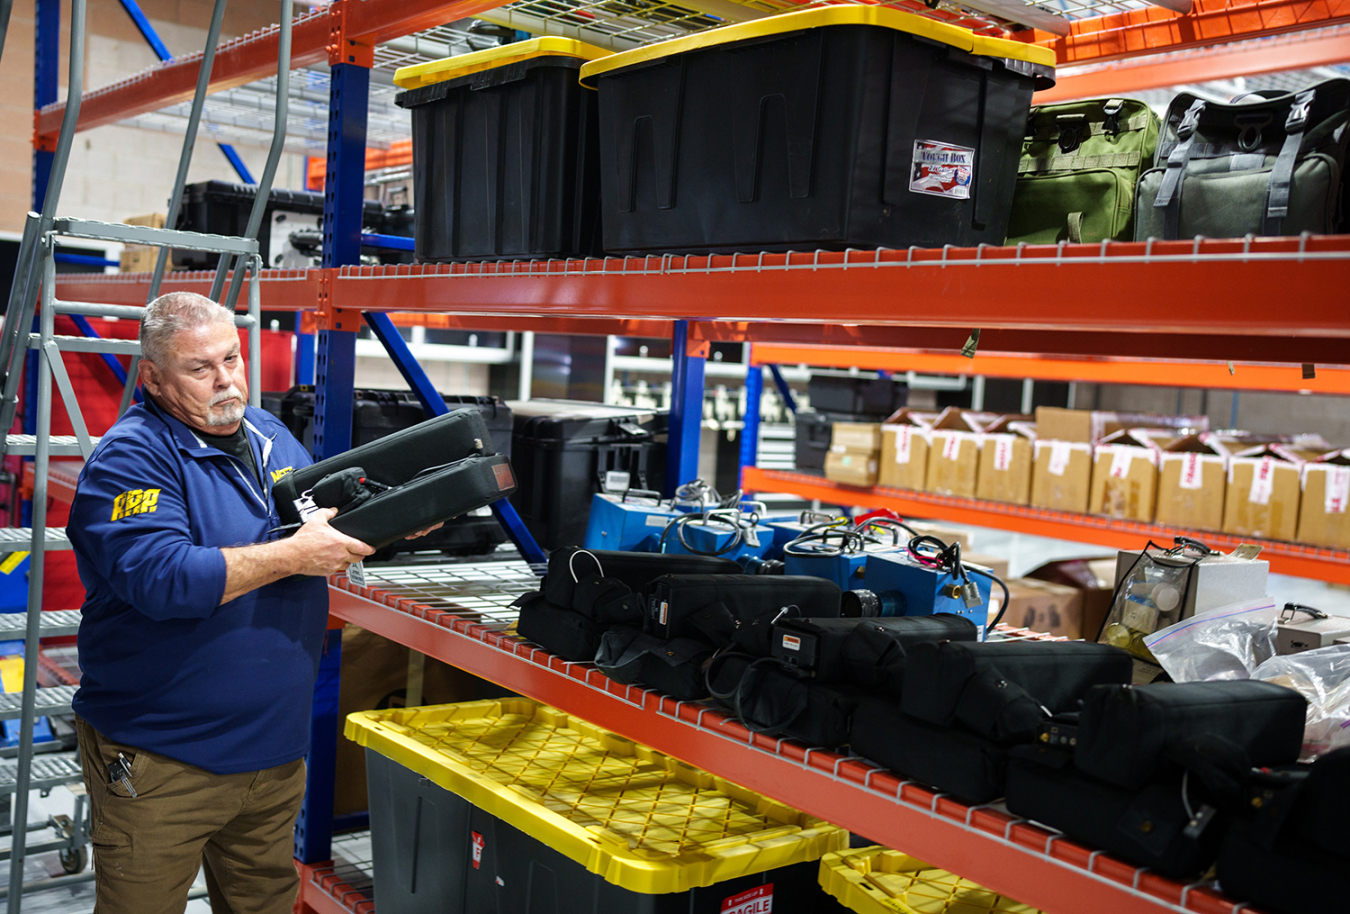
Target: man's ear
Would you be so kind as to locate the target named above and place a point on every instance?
(149, 374)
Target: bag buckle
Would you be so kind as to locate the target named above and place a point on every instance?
(1069, 125)
(1112, 111)
(1190, 121)
(1298, 113)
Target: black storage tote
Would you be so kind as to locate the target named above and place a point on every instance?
(845, 126)
(505, 158)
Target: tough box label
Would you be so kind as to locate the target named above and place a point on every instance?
(902, 437)
(1338, 489)
(1120, 462)
(617, 481)
(951, 447)
(942, 170)
(478, 844)
(1059, 457)
(1192, 473)
(754, 901)
(1263, 481)
(1003, 450)
(792, 642)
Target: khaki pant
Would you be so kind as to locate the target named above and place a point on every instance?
(149, 848)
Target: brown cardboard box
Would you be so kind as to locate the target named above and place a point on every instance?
(1044, 607)
(904, 450)
(1192, 480)
(851, 467)
(996, 565)
(953, 455)
(1005, 461)
(946, 534)
(1094, 580)
(1124, 476)
(1324, 518)
(1265, 484)
(140, 258)
(1061, 474)
(1090, 426)
(856, 436)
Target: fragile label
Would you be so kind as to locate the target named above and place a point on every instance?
(1120, 463)
(617, 481)
(1338, 489)
(951, 447)
(902, 438)
(477, 849)
(1192, 473)
(1059, 457)
(1263, 477)
(755, 901)
(792, 642)
(1003, 448)
(942, 170)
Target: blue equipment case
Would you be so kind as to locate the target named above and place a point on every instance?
(624, 524)
(904, 587)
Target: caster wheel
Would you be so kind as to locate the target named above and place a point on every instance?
(75, 861)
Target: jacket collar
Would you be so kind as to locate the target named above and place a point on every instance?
(192, 443)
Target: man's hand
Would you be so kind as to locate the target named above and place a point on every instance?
(321, 550)
(413, 536)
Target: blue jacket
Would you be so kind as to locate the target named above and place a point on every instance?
(165, 667)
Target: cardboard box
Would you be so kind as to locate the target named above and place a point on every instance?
(856, 436)
(996, 565)
(140, 258)
(1095, 581)
(851, 467)
(953, 455)
(1090, 426)
(1192, 482)
(1061, 475)
(904, 450)
(1125, 476)
(1044, 607)
(944, 533)
(1005, 461)
(1265, 485)
(1323, 518)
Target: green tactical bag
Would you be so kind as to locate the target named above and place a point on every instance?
(1269, 163)
(1080, 164)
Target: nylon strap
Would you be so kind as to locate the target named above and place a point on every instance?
(1030, 165)
(1169, 192)
(1050, 131)
(1282, 175)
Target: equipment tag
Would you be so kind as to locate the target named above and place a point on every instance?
(1338, 490)
(1192, 474)
(306, 507)
(1263, 481)
(356, 574)
(1003, 448)
(478, 844)
(665, 612)
(754, 901)
(1120, 462)
(902, 436)
(617, 481)
(792, 642)
(942, 170)
(1059, 457)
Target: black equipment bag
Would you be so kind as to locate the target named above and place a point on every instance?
(951, 759)
(675, 667)
(769, 698)
(394, 459)
(558, 629)
(863, 652)
(740, 609)
(1148, 826)
(568, 565)
(1321, 808)
(1002, 688)
(1125, 731)
(1293, 877)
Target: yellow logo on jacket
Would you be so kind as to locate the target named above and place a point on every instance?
(135, 501)
(277, 474)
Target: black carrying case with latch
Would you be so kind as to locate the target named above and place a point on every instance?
(739, 609)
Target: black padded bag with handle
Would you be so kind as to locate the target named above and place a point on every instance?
(1054, 674)
(557, 629)
(768, 698)
(394, 459)
(1321, 810)
(636, 570)
(1125, 732)
(628, 655)
(740, 609)
(1293, 877)
(857, 650)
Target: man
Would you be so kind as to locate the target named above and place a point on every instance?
(201, 633)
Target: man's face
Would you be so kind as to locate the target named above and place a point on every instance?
(203, 383)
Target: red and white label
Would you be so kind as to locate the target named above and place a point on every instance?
(902, 437)
(1263, 479)
(755, 901)
(665, 612)
(478, 844)
(792, 642)
(951, 447)
(1338, 489)
(1003, 450)
(1059, 457)
(1192, 473)
(942, 169)
(1120, 462)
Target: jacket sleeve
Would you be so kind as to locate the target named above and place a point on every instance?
(129, 521)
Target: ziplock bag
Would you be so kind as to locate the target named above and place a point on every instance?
(1151, 595)
(1226, 643)
(1322, 676)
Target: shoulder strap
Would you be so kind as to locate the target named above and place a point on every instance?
(1169, 192)
(1282, 175)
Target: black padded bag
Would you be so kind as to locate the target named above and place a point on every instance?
(1321, 809)
(636, 570)
(1054, 674)
(394, 459)
(768, 698)
(1145, 826)
(832, 649)
(628, 655)
(1292, 877)
(740, 609)
(557, 629)
(428, 500)
(949, 758)
(1125, 732)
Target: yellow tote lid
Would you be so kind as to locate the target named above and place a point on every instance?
(438, 71)
(851, 14)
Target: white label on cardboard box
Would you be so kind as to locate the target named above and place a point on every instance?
(1003, 451)
(902, 439)
(951, 447)
(1192, 473)
(838, 448)
(942, 169)
(1338, 489)
(758, 900)
(1263, 481)
(1059, 457)
(1120, 462)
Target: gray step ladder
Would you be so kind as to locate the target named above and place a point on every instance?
(34, 284)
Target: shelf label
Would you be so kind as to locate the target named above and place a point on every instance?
(1192, 474)
(1120, 462)
(478, 844)
(902, 437)
(942, 170)
(1059, 457)
(755, 901)
(1338, 489)
(1003, 449)
(1263, 481)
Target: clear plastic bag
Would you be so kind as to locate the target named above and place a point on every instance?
(1152, 595)
(1323, 678)
(1226, 643)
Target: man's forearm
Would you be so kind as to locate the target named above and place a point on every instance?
(249, 567)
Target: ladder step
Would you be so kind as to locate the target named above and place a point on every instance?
(18, 539)
(61, 445)
(88, 344)
(53, 700)
(144, 234)
(97, 309)
(48, 771)
(55, 622)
